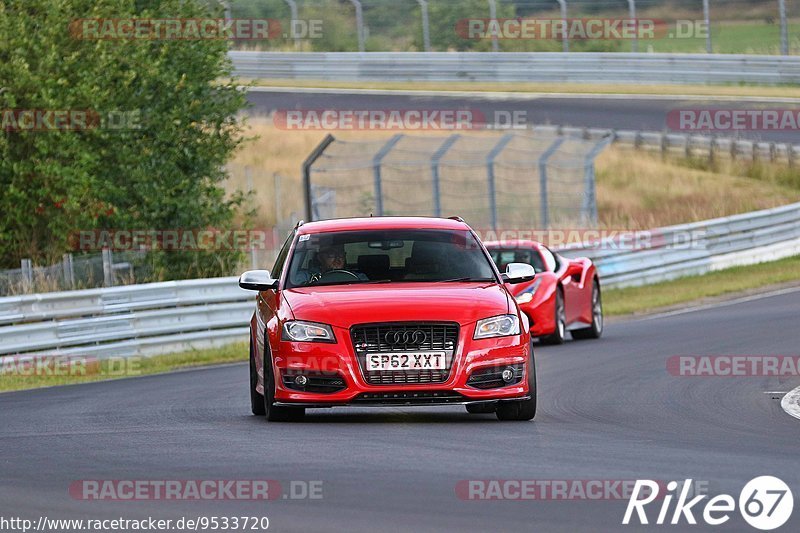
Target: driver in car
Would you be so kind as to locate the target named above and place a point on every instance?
(333, 258)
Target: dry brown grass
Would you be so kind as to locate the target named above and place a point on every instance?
(641, 190)
(634, 189)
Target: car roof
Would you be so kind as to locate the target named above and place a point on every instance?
(510, 244)
(378, 223)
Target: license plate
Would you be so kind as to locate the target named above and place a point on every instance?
(406, 361)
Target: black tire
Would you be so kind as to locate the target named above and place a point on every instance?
(558, 336)
(273, 412)
(481, 408)
(522, 410)
(256, 398)
(596, 329)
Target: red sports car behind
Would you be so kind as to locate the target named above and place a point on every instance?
(389, 311)
(564, 296)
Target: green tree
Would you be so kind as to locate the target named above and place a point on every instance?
(163, 170)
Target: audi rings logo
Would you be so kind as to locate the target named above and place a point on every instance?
(406, 337)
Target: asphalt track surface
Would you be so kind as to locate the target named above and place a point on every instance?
(631, 113)
(608, 410)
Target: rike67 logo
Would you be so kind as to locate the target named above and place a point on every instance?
(765, 503)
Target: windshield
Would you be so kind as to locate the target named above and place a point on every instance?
(373, 256)
(502, 257)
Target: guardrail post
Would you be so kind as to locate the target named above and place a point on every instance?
(108, 268)
(359, 24)
(295, 17)
(632, 14)
(784, 28)
(68, 271)
(707, 19)
(426, 30)
(435, 159)
(565, 37)
(504, 140)
(790, 154)
(27, 273)
(543, 198)
(493, 17)
(376, 171)
(312, 157)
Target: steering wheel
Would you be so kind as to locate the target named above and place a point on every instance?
(337, 275)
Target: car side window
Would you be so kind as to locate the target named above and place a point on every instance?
(550, 260)
(281, 259)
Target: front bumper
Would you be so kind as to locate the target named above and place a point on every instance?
(295, 358)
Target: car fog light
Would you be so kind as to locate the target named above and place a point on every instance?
(301, 381)
(508, 375)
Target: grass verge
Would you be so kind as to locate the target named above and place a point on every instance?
(85, 370)
(693, 289)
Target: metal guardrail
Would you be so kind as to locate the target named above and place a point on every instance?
(176, 316)
(601, 67)
(697, 248)
(143, 319)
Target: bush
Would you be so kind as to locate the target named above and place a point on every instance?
(163, 171)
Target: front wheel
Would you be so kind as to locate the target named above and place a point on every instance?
(560, 318)
(256, 398)
(596, 329)
(522, 409)
(273, 412)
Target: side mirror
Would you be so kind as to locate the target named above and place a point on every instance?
(257, 280)
(519, 273)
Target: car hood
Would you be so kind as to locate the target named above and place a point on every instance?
(345, 305)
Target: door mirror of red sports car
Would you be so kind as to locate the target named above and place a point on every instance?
(518, 273)
(257, 280)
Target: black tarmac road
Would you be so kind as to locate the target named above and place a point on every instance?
(609, 410)
(623, 113)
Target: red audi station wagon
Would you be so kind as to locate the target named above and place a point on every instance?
(388, 311)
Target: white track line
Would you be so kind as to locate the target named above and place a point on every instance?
(791, 403)
(494, 95)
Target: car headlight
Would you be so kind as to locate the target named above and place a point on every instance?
(497, 326)
(298, 331)
(527, 295)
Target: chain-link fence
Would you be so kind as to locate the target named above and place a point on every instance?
(494, 181)
(712, 26)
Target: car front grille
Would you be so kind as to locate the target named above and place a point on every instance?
(405, 337)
